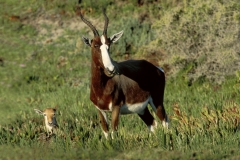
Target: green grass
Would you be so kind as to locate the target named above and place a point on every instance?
(44, 70)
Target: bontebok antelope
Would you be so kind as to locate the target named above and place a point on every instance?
(125, 87)
(49, 118)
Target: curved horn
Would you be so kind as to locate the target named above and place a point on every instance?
(106, 22)
(95, 32)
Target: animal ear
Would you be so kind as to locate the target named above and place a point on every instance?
(38, 111)
(87, 41)
(114, 38)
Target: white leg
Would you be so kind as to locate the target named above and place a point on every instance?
(165, 123)
(153, 127)
(104, 121)
(105, 134)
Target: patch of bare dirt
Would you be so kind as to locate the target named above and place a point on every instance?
(51, 26)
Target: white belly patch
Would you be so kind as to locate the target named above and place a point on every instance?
(134, 108)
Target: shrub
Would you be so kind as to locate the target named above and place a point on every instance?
(205, 33)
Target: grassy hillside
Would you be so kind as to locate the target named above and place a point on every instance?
(44, 63)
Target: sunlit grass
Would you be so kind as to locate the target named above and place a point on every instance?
(37, 73)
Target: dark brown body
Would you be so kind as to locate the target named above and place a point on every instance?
(124, 87)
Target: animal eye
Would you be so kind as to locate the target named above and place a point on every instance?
(44, 114)
(96, 45)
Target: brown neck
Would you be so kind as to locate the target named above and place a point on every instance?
(98, 81)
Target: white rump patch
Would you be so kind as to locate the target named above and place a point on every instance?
(161, 69)
(134, 108)
(105, 55)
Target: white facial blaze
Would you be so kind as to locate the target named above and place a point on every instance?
(105, 55)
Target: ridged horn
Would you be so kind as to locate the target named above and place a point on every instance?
(106, 22)
(95, 32)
